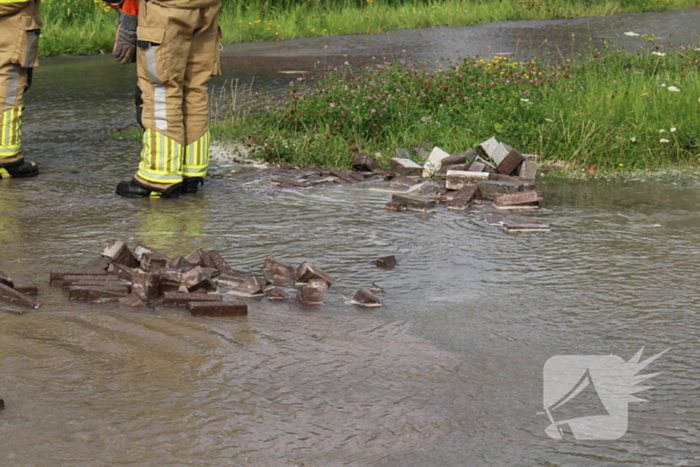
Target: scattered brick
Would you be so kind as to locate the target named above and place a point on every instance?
(415, 203)
(307, 271)
(10, 295)
(386, 262)
(364, 162)
(405, 167)
(366, 299)
(229, 308)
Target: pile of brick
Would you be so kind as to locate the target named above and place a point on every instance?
(492, 173)
(202, 281)
(18, 289)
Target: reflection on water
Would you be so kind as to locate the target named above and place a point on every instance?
(449, 372)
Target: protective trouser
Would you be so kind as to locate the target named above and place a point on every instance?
(19, 41)
(178, 52)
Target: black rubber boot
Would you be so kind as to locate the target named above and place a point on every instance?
(22, 169)
(134, 189)
(192, 184)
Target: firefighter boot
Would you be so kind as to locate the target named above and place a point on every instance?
(134, 189)
(19, 169)
(192, 184)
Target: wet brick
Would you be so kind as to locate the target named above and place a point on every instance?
(278, 294)
(526, 227)
(456, 180)
(307, 271)
(530, 197)
(182, 299)
(405, 167)
(196, 278)
(402, 180)
(146, 285)
(219, 262)
(87, 280)
(509, 165)
(232, 279)
(82, 292)
(121, 271)
(434, 162)
(463, 198)
(528, 170)
(489, 189)
(415, 203)
(366, 299)
(56, 276)
(132, 302)
(10, 295)
(279, 272)
(395, 207)
(248, 288)
(24, 284)
(169, 280)
(119, 252)
(364, 162)
(310, 296)
(230, 308)
(386, 262)
(6, 279)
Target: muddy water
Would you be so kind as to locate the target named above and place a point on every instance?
(449, 372)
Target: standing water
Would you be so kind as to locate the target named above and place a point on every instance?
(448, 372)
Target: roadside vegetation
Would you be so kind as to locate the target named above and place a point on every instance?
(87, 27)
(602, 111)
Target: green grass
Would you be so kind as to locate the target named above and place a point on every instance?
(602, 111)
(84, 27)
(76, 27)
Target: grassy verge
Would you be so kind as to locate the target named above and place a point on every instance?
(603, 111)
(84, 27)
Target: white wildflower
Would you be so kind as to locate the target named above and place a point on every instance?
(673, 89)
(663, 140)
(662, 130)
(673, 129)
(660, 54)
(631, 34)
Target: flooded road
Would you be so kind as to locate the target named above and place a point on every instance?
(449, 372)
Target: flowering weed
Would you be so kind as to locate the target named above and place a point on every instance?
(602, 109)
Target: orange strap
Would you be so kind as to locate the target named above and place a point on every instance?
(130, 7)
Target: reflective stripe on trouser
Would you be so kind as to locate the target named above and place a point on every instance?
(197, 157)
(10, 133)
(161, 158)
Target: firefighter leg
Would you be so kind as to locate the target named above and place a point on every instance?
(164, 37)
(202, 63)
(14, 81)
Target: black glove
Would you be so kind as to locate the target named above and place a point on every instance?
(125, 40)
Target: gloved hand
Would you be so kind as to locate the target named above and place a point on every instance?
(125, 40)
